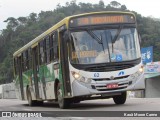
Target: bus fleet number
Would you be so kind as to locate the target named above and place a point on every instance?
(96, 74)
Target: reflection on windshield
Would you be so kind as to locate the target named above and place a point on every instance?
(101, 46)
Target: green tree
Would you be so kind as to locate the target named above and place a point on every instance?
(22, 20)
(115, 4)
(123, 7)
(12, 23)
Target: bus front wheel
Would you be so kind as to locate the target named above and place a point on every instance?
(63, 103)
(29, 98)
(120, 99)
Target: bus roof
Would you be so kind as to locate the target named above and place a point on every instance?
(58, 25)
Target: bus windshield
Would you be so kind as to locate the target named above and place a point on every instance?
(104, 45)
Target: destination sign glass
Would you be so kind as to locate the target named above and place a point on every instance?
(101, 19)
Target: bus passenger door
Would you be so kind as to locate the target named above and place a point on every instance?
(35, 71)
(64, 40)
(20, 77)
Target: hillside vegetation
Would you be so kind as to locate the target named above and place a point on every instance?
(21, 30)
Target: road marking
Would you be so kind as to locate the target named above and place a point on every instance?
(71, 118)
(27, 109)
(79, 118)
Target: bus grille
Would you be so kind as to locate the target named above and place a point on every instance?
(109, 68)
(116, 78)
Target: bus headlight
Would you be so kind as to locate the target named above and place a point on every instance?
(141, 69)
(137, 74)
(80, 78)
(75, 75)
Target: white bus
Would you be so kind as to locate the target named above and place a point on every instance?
(87, 56)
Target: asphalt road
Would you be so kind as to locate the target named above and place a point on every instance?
(132, 104)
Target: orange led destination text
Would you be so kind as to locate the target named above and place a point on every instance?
(83, 54)
(101, 20)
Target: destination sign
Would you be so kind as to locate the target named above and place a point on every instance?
(101, 19)
(83, 54)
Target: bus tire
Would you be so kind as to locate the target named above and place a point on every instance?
(120, 99)
(76, 101)
(39, 103)
(29, 98)
(63, 103)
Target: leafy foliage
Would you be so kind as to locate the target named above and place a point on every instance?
(23, 29)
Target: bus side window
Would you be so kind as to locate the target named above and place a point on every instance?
(44, 50)
(51, 47)
(23, 61)
(41, 52)
(47, 50)
(29, 59)
(22, 58)
(55, 46)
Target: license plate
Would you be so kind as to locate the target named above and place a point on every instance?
(114, 85)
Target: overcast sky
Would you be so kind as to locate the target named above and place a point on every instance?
(18, 8)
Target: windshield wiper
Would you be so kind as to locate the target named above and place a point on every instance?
(117, 35)
(94, 36)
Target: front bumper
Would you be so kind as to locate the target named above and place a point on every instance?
(99, 87)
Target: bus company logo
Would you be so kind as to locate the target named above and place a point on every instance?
(6, 114)
(121, 73)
